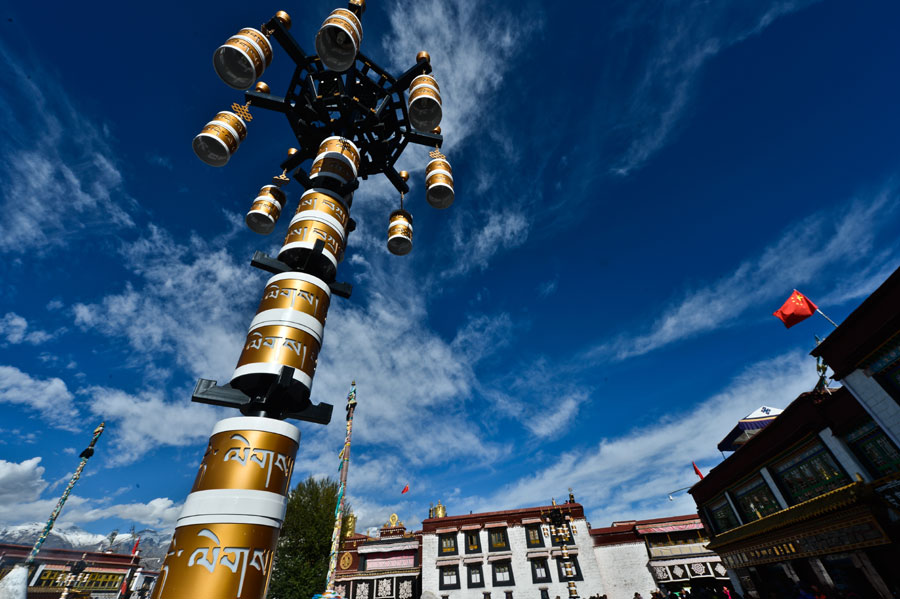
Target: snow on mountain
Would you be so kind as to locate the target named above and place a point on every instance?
(70, 536)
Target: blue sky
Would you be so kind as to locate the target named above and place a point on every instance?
(639, 185)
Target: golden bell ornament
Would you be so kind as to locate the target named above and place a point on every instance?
(242, 59)
(439, 183)
(265, 210)
(400, 233)
(338, 40)
(425, 110)
(220, 138)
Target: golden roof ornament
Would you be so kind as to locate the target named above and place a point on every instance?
(440, 511)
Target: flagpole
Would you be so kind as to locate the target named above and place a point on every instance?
(826, 318)
(339, 509)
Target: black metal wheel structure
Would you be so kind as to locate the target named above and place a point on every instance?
(364, 104)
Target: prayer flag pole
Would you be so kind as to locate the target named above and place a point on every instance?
(339, 509)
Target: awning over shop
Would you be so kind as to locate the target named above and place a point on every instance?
(748, 426)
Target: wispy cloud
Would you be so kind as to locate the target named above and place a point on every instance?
(60, 176)
(22, 485)
(804, 255)
(48, 397)
(687, 36)
(629, 475)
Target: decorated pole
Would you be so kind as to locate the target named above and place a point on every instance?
(339, 510)
(15, 584)
(85, 456)
(352, 120)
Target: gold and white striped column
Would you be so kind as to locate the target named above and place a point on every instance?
(226, 535)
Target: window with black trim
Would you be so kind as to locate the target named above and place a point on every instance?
(539, 570)
(808, 473)
(509, 595)
(449, 577)
(533, 536)
(498, 540)
(874, 449)
(755, 500)
(561, 571)
(722, 516)
(545, 594)
(473, 541)
(475, 576)
(503, 574)
(447, 544)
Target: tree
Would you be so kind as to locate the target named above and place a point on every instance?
(301, 562)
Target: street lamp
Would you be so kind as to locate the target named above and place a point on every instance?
(676, 491)
(351, 120)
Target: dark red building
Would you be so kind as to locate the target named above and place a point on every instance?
(799, 502)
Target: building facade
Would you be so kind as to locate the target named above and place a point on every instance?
(507, 555)
(864, 353)
(664, 553)
(85, 574)
(383, 567)
(798, 504)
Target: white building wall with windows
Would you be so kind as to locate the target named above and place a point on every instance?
(519, 556)
(623, 568)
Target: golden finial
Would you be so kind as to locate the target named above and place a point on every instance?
(436, 130)
(262, 87)
(423, 54)
(404, 175)
(284, 18)
(292, 151)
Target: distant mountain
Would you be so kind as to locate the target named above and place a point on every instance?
(69, 536)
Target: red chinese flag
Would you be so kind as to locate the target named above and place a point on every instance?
(796, 309)
(405, 489)
(697, 470)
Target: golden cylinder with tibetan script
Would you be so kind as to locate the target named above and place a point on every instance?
(338, 40)
(305, 229)
(341, 145)
(249, 453)
(242, 59)
(265, 210)
(219, 560)
(333, 166)
(270, 347)
(220, 138)
(297, 292)
(325, 201)
(400, 233)
(425, 111)
(439, 184)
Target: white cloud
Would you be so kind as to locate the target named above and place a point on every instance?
(55, 152)
(471, 43)
(21, 481)
(50, 397)
(629, 476)
(14, 329)
(140, 423)
(22, 484)
(193, 304)
(803, 257)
